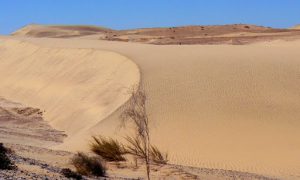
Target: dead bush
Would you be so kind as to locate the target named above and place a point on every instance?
(68, 173)
(157, 156)
(88, 166)
(5, 162)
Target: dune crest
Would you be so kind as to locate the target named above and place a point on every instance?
(76, 87)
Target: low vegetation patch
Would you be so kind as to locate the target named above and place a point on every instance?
(5, 162)
(108, 148)
(157, 156)
(89, 166)
(135, 148)
(68, 173)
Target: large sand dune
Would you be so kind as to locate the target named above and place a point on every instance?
(226, 107)
(76, 87)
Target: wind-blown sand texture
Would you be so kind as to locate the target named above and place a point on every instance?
(218, 106)
(86, 85)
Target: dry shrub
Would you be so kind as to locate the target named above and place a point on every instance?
(108, 148)
(157, 156)
(86, 165)
(68, 173)
(5, 162)
(136, 113)
(135, 148)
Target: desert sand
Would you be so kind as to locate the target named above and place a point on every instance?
(211, 106)
(236, 34)
(296, 27)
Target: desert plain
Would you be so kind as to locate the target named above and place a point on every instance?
(223, 101)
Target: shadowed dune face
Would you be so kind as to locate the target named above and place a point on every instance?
(226, 107)
(76, 87)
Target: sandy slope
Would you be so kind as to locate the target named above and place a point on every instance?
(228, 107)
(76, 87)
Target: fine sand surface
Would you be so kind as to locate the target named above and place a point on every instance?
(76, 87)
(218, 106)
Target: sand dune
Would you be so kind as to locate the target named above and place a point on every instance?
(216, 34)
(54, 31)
(76, 87)
(226, 107)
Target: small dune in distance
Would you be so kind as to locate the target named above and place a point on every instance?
(218, 34)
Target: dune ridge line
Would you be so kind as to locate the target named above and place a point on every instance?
(71, 85)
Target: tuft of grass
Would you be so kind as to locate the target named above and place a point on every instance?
(135, 148)
(86, 165)
(5, 162)
(68, 173)
(108, 148)
(157, 156)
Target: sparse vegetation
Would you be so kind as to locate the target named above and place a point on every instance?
(140, 145)
(108, 148)
(5, 162)
(136, 113)
(135, 148)
(157, 156)
(68, 173)
(86, 165)
(111, 150)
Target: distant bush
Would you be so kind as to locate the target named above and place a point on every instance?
(86, 165)
(108, 148)
(68, 173)
(247, 27)
(5, 162)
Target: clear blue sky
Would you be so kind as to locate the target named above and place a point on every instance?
(125, 14)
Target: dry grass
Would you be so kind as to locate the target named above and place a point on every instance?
(108, 148)
(135, 148)
(86, 165)
(157, 156)
(136, 113)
